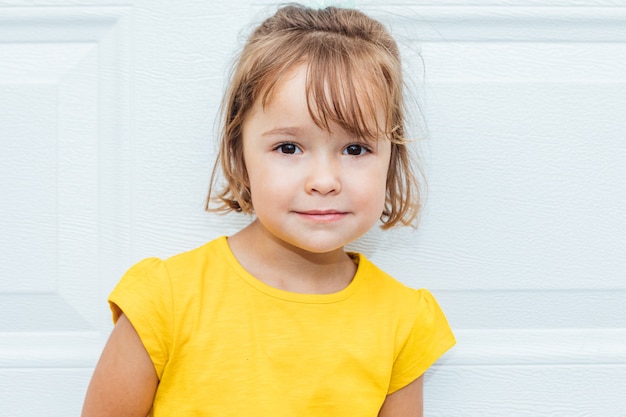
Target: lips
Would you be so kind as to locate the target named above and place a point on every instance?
(322, 215)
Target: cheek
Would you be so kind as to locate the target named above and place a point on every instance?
(382, 195)
(266, 182)
(372, 187)
(383, 179)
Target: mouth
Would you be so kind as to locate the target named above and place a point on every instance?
(322, 215)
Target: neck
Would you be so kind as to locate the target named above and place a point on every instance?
(287, 267)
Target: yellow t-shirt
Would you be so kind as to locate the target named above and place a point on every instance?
(224, 343)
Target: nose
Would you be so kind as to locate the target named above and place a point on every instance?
(323, 176)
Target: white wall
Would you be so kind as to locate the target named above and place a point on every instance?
(107, 115)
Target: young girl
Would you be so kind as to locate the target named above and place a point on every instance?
(278, 320)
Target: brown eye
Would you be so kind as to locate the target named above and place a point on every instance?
(355, 150)
(288, 148)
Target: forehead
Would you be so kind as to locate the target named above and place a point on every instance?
(285, 108)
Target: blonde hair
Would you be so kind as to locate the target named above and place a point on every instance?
(353, 68)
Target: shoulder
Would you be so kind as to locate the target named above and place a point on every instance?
(411, 303)
(383, 283)
(153, 274)
(153, 284)
(193, 261)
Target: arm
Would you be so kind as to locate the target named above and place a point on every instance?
(124, 381)
(405, 402)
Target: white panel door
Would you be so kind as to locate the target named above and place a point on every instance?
(106, 116)
(107, 121)
(64, 133)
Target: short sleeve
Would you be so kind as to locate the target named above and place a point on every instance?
(144, 295)
(430, 337)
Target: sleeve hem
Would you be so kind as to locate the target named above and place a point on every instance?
(140, 298)
(133, 318)
(419, 368)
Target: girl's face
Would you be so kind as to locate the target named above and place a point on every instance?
(311, 189)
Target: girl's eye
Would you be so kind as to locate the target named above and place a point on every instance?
(355, 150)
(288, 148)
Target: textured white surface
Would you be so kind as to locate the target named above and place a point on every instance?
(107, 114)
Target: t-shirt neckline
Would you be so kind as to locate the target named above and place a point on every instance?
(268, 290)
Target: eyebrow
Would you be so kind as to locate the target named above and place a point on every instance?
(289, 131)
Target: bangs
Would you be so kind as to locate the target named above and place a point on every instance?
(350, 92)
(347, 85)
